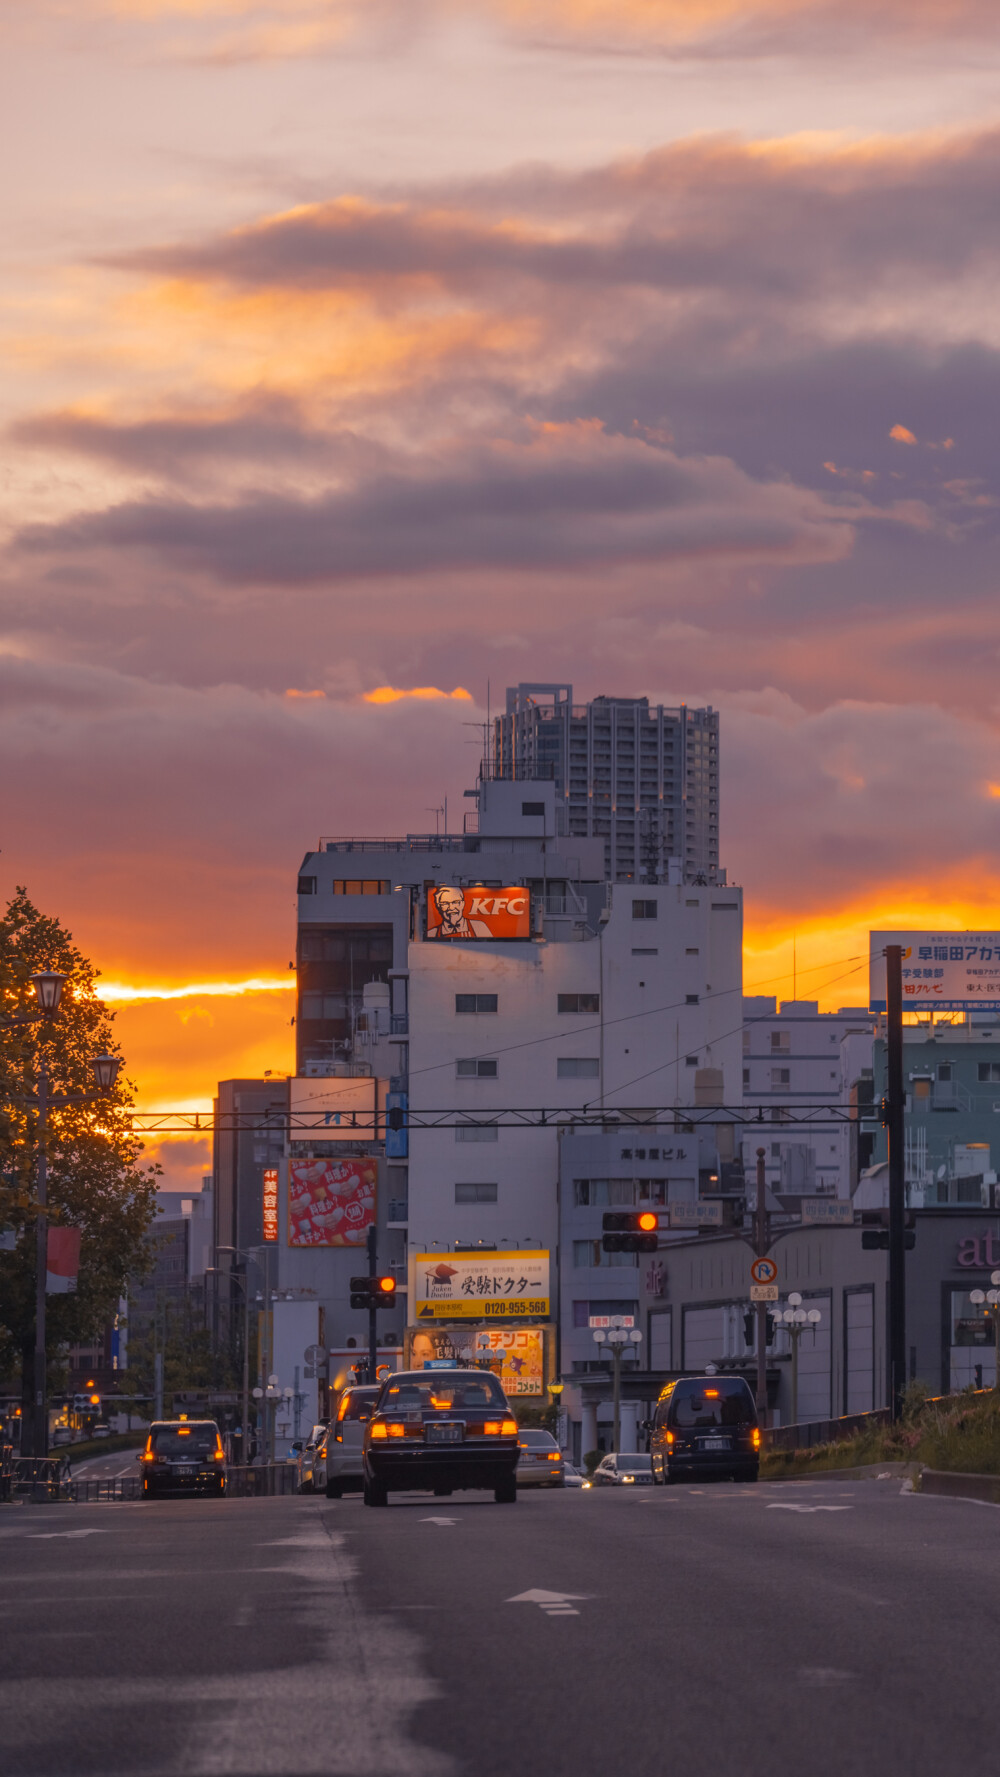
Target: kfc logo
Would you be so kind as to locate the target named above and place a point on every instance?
(478, 912)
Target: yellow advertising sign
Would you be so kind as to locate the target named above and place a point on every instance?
(480, 1286)
(516, 1355)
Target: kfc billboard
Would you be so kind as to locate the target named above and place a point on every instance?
(478, 912)
(331, 1202)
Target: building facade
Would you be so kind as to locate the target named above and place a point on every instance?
(796, 1056)
(643, 779)
(951, 1075)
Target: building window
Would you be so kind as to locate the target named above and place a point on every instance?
(580, 1002)
(989, 1070)
(645, 953)
(590, 1253)
(476, 1132)
(475, 1002)
(690, 999)
(307, 885)
(644, 909)
(368, 886)
(531, 808)
(689, 952)
(475, 1193)
(944, 1070)
(746, 1042)
(779, 1042)
(477, 1069)
(690, 1061)
(589, 1193)
(322, 1005)
(781, 1079)
(578, 1067)
(746, 1077)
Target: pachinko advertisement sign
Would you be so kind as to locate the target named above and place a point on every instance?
(514, 1354)
(478, 912)
(331, 1202)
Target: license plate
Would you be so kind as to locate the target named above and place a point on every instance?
(187, 1471)
(715, 1443)
(443, 1434)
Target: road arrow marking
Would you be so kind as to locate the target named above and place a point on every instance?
(554, 1604)
(48, 1536)
(439, 1520)
(790, 1508)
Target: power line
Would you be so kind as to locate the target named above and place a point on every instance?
(582, 1030)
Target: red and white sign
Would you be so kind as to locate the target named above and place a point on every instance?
(478, 912)
(612, 1320)
(331, 1202)
(62, 1262)
(271, 1203)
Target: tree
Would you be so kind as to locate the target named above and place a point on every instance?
(95, 1182)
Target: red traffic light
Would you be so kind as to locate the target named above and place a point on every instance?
(649, 1222)
(387, 1285)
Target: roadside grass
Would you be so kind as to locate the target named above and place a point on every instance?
(959, 1433)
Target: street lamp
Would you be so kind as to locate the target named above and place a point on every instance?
(796, 1320)
(989, 1301)
(48, 986)
(618, 1338)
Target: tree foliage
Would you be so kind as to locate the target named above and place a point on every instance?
(95, 1180)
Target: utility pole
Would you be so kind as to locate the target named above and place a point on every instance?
(372, 1308)
(40, 1417)
(893, 1108)
(760, 1249)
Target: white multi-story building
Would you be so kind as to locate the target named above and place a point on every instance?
(795, 1056)
(639, 1013)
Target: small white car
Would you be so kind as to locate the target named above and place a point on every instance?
(337, 1464)
(539, 1461)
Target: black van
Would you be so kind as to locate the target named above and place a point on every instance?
(705, 1427)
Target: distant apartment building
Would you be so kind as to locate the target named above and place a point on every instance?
(642, 779)
(951, 1075)
(794, 1057)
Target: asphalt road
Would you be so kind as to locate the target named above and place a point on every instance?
(826, 1629)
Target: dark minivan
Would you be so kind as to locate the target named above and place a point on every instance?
(183, 1456)
(705, 1427)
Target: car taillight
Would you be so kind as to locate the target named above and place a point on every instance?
(397, 1431)
(508, 1428)
(378, 1430)
(219, 1455)
(670, 1437)
(755, 1438)
(553, 1455)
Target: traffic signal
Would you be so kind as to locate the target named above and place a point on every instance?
(875, 1237)
(396, 1117)
(749, 1327)
(771, 1324)
(631, 1231)
(373, 1292)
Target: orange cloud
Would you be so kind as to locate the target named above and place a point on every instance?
(119, 993)
(305, 693)
(902, 435)
(389, 694)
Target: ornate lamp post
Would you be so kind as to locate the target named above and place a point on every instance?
(796, 1320)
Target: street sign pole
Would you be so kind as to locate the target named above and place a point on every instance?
(894, 1115)
(372, 1311)
(760, 1244)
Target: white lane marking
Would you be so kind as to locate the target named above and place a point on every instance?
(48, 1536)
(554, 1604)
(820, 1678)
(438, 1520)
(791, 1508)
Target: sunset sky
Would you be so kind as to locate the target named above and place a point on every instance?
(361, 354)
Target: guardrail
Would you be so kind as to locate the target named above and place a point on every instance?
(824, 1431)
(114, 1487)
(262, 1481)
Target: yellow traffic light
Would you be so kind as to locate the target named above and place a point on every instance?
(387, 1285)
(649, 1222)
